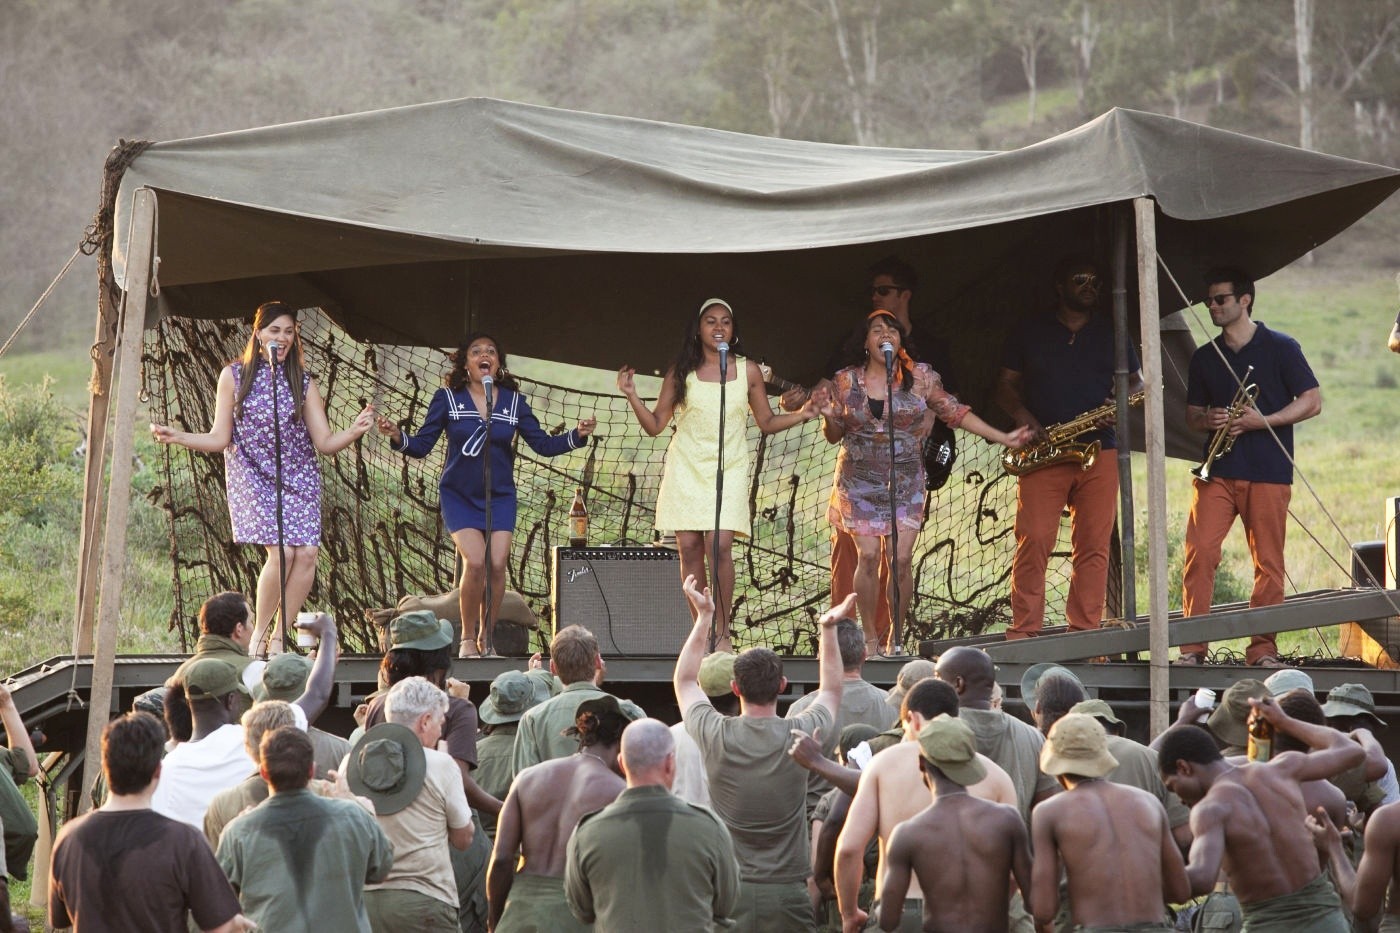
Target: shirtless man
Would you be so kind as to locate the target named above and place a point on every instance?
(1379, 870)
(1113, 840)
(1250, 819)
(963, 850)
(892, 790)
(544, 805)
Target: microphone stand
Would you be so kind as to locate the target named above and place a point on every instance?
(719, 496)
(896, 640)
(487, 633)
(272, 349)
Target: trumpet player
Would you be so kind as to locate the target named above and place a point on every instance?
(1254, 479)
(1058, 365)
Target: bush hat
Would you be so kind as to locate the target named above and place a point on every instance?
(1290, 678)
(1031, 678)
(1351, 700)
(512, 693)
(1098, 709)
(1227, 721)
(948, 744)
(213, 679)
(716, 673)
(419, 630)
(387, 765)
(1077, 744)
(910, 674)
(283, 678)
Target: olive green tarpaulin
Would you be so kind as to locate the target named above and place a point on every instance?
(587, 239)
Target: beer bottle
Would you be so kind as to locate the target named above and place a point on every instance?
(1261, 737)
(578, 521)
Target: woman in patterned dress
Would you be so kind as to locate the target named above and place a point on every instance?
(685, 503)
(857, 417)
(460, 410)
(243, 430)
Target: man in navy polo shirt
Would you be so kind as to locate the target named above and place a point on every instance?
(1056, 367)
(1255, 479)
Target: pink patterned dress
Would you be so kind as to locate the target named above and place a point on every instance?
(860, 502)
(250, 466)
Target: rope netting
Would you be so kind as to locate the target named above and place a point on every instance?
(383, 536)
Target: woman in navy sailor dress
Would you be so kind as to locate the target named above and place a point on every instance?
(459, 409)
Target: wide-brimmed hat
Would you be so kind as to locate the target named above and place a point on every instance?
(387, 766)
(212, 679)
(716, 673)
(948, 744)
(419, 630)
(910, 674)
(512, 693)
(283, 678)
(1351, 700)
(1077, 744)
(1031, 678)
(545, 681)
(1290, 678)
(1227, 721)
(1099, 709)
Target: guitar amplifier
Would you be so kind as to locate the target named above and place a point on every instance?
(629, 597)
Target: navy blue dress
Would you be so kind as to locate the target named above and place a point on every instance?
(462, 490)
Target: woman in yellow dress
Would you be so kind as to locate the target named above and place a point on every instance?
(691, 393)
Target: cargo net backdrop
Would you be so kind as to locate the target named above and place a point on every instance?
(383, 536)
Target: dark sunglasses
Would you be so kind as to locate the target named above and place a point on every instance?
(1084, 278)
(885, 291)
(1218, 300)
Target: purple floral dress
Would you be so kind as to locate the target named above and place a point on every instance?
(860, 503)
(250, 467)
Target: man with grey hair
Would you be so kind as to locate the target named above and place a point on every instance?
(421, 806)
(617, 884)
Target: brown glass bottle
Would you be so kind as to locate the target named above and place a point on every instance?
(578, 521)
(1261, 737)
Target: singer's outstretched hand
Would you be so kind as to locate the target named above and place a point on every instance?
(626, 384)
(586, 426)
(163, 434)
(388, 429)
(363, 421)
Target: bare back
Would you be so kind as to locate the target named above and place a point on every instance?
(1116, 848)
(1267, 844)
(552, 797)
(900, 794)
(962, 851)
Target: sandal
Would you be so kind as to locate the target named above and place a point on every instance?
(1269, 661)
(468, 649)
(1193, 659)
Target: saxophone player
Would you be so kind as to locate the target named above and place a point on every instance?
(1057, 365)
(1255, 479)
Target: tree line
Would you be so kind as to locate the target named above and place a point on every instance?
(942, 74)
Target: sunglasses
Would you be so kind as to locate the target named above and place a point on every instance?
(1218, 300)
(1084, 278)
(884, 291)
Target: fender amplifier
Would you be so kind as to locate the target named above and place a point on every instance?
(629, 597)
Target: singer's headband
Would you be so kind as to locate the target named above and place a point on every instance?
(710, 302)
(881, 312)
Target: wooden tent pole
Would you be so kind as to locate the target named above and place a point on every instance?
(1159, 682)
(99, 405)
(127, 387)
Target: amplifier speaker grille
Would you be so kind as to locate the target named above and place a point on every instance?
(629, 597)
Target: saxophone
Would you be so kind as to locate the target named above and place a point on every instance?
(1222, 441)
(1057, 446)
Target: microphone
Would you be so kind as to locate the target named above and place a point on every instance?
(488, 384)
(723, 359)
(887, 348)
(272, 349)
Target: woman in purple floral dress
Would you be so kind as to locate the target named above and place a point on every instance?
(243, 430)
(858, 418)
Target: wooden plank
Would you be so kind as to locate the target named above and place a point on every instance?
(1159, 716)
(127, 388)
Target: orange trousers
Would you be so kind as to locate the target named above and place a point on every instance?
(1041, 498)
(1263, 510)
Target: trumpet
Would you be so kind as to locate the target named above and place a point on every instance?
(1222, 441)
(1057, 446)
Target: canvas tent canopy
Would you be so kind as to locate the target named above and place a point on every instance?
(586, 239)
